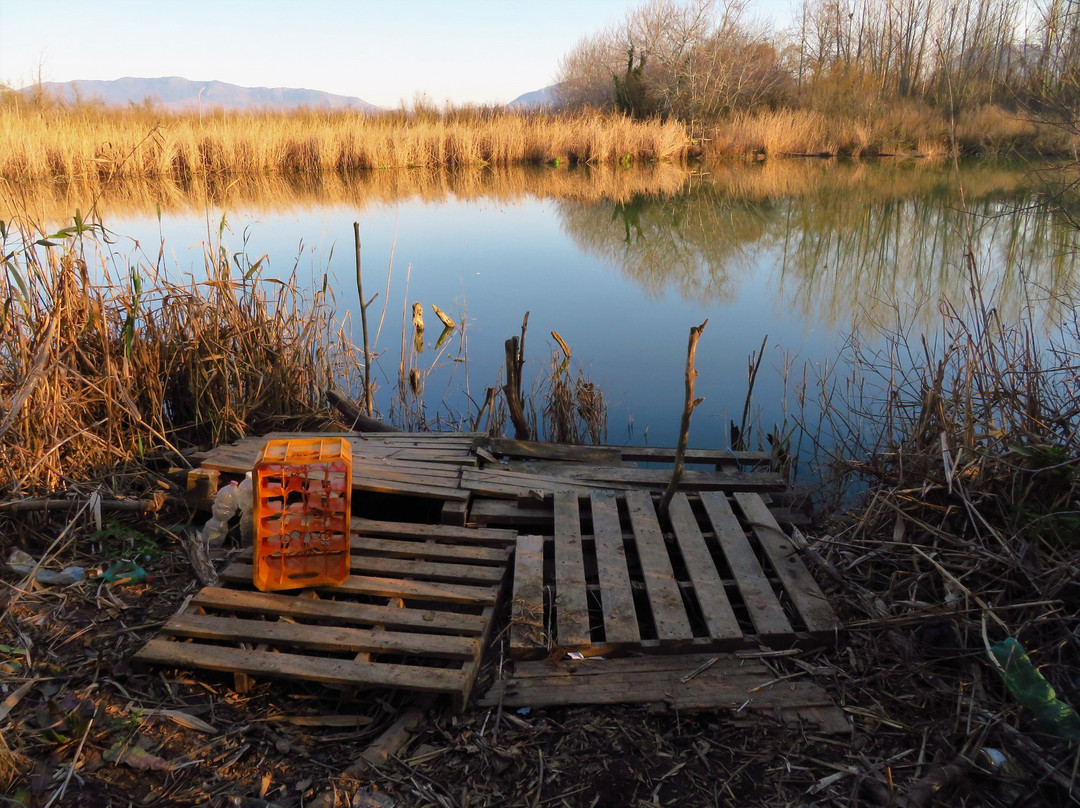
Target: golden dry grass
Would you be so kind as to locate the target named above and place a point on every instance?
(907, 129)
(84, 142)
(100, 373)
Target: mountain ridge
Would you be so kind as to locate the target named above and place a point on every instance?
(175, 93)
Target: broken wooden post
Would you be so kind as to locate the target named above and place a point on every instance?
(515, 360)
(684, 426)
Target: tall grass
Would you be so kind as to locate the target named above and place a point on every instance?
(87, 142)
(902, 129)
(101, 365)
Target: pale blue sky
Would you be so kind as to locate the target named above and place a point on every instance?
(384, 51)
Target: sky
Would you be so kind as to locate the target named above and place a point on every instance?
(384, 51)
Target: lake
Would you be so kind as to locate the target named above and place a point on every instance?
(621, 263)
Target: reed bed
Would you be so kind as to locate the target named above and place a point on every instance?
(100, 368)
(81, 143)
(902, 129)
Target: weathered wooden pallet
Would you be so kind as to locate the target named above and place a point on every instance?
(414, 614)
(708, 576)
(423, 465)
(683, 682)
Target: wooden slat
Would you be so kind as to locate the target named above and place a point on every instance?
(669, 614)
(765, 610)
(346, 613)
(572, 608)
(319, 669)
(659, 454)
(541, 450)
(324, 638)
(426, 570)
(801, 587)
(658, 479)
(527, 606)
(448, 533)
(708, 587)
(390, 588)
(429, 551)
(617, 599)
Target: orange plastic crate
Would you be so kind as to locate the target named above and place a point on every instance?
(302, 497)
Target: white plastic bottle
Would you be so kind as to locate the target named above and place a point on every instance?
(217, 526)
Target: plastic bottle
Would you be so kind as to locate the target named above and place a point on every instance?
(245, 502)
(1033, 691)
(217, 526)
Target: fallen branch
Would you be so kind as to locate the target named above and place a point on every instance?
(353, 414)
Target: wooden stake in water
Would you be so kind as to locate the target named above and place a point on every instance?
(688, 410)
(369, 405)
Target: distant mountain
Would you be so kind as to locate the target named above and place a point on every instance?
(544, 97)
(176, 94)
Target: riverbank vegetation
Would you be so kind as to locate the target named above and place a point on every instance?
(671, 81)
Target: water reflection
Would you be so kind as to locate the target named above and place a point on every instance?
(846, 239)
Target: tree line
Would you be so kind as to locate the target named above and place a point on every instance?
(703, 59)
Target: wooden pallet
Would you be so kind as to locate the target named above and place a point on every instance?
(421, 465)
(415, 614)
(709, 576)
(683, 682)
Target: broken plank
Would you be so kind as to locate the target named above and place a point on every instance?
(764, 609)
(527, 626)
(709, 589)
(572, 608)
(616, 596)
(347, 612)
(800, 585)
(660, 454)
(323, 638)
(665, 599)
(293, 666)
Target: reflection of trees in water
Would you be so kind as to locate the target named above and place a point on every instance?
(845, 239)
(692, 243)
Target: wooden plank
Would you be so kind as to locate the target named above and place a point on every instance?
(527, 626)
(616, 596)
(669, 613)
(708, 586)
(322, 638)
(345, 612)
(429, 551)
(693, 480)
(448, 533)
(572, 608)
(800, 585)
(292, 666)
(390, 588)
(426, 570)
(764, 609)
(541, 450)
(408, 489)
(660, 454)
(680, 664)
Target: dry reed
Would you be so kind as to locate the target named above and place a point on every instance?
(83, 143)
(102, 372)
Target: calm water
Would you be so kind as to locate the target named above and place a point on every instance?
(621, 264)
